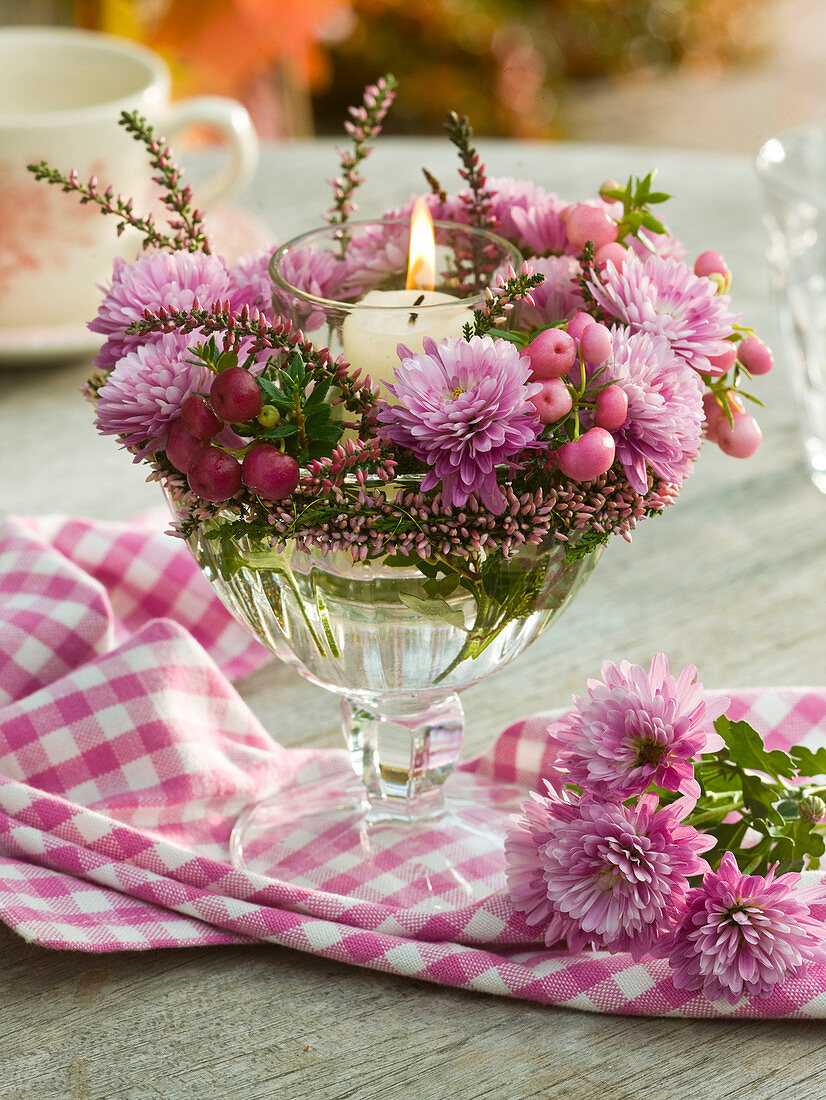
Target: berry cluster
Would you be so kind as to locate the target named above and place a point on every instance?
(211, 472)
(735, 431)
(557, 356)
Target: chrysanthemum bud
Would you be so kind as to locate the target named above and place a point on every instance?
(812, 808)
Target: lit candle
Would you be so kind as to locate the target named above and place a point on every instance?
(386, 318)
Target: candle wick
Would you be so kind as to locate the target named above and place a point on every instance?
(412, 319)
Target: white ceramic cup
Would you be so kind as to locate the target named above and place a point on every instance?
(61, 93)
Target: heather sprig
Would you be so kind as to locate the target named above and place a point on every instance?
(355, 394)
(500, 300)
(364, 124)
(478, 199)
(187, 223)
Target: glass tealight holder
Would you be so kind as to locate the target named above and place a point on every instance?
(345, 287)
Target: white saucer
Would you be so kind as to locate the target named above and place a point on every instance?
(234, 232)
(24, 347)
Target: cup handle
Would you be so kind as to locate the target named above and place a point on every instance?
(233, 122)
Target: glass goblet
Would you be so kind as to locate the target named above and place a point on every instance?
(396, 821)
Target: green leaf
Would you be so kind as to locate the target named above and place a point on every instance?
(759, 799)
(787, 809)
(810, 765)
(226, 360)
(747, 749)
(280, 431)
(658, 196)
(434, 608)
(441, 586)
(650, 222)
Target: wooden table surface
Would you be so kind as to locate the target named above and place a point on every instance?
(731, 578)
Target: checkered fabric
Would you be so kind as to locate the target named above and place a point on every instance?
(126, 755)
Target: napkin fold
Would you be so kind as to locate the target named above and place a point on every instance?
(126, 755)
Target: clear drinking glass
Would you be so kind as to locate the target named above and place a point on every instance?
(792, 171)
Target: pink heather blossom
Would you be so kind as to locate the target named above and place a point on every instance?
(558, 297)
(169, 279)
(744, 935)
(636, 728)
(615, 876)
(663, 297)
(663, 428)
(464, 409)
(144, 392)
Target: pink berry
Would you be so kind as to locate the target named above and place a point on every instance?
(589, 223)
(181, 445)
(578, 324)
(553, 401)
(713, 412)
(596, 344)
(269, 472)
(613, 252)
(721, 364)
(199, 417)
(710, 263)
(605, 187)
(235, 396)
(552, 353)
(213, 474)
(611, 409)
(755, 356)
(741, 438)
(589, 456)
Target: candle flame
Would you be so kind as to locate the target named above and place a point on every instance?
(421, 268)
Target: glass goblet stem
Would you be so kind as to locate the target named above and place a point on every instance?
(404, 748)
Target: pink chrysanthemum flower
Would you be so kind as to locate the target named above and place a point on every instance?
(662, 243)
(511, 195)
(615, 876)
(538, 227)
(524, 868)
(144, 392)
(744, 935)
(250, 276)
(636, 728)
(663, 428)
(464, 408)
(663, 297)
(376, 253)
(315, 272)
(155, 279)
(558, 297)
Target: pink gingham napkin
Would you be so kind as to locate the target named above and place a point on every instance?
(126, 755)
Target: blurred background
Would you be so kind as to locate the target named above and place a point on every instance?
(713, 74)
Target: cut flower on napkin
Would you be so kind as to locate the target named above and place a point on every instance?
(639, 786)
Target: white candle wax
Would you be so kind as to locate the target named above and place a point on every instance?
(371, 335)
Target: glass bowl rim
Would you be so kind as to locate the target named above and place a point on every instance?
(507, 247)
